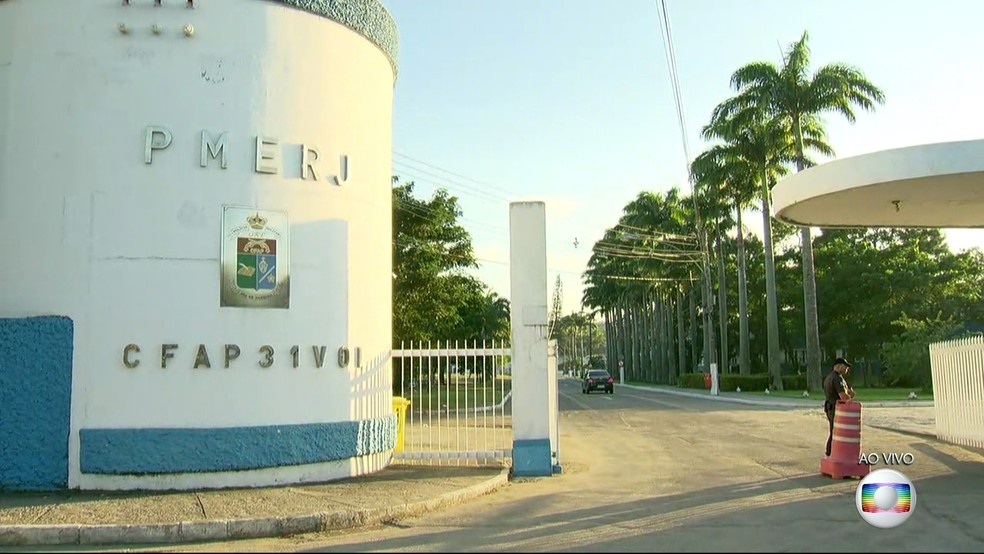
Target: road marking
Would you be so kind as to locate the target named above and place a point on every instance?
(576, 401)
(661, 402)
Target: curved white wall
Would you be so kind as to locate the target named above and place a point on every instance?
(130, 251)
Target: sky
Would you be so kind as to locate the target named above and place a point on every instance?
(570, 102)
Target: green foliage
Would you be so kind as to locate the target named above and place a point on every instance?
(794, 382)
(691, 381)
(870, 281)
(907, 357)
(729, 382)
(433, 296)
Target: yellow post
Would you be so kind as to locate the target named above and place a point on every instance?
(400, 406)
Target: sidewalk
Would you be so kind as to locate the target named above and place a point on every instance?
(104, 518)
(914, 417)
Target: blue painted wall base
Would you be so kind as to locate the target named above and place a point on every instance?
(35, 402)
(531, 458)
(180, 450)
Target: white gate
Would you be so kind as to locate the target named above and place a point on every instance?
(958, 390)
(460, 409)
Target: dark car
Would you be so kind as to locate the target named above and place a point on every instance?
(598, 379)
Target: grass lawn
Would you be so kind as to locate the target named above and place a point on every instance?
(451, 397)
(863, 394)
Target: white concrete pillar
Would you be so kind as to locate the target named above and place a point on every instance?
(554, 397)
(532, 451)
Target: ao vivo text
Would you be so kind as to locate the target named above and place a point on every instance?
(887, 459)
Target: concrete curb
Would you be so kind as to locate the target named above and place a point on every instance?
(234, 529)
(791, 403)
(718, 398)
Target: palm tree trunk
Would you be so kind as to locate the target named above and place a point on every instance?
(623, 331)
(651, 346)
(722, 301)
(610, 342)
(694, 348)
(681, 341)
(657, 369)
(669, 335)
(772, 311)
(710, 350)
(609, 361)
(645, 333)
(664, 347)
(656, 351)
(744, 354)
(637, 370)
(591, 328)
(813, 374)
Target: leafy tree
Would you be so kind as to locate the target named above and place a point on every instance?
(907, 356)
(430, 251)
(433, 296)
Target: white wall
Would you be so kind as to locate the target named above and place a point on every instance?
(130, 251)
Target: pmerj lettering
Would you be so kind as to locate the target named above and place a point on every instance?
(266, 356)
(268, 154)
(887, 458)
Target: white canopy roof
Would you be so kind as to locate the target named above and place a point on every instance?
(931, 185)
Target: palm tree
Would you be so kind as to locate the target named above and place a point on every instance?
(764, 145)
(722, 168)
(629, 271)
(796, 97)
(495, 317)
(716, 207)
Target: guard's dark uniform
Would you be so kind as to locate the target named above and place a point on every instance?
(833, 385)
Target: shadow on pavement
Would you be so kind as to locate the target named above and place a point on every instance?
(393, 473)
(795, 514)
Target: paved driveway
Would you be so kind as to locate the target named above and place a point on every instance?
(646, 471)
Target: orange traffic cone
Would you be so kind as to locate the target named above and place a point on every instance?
(845, 450)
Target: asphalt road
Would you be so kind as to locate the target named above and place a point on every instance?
(645, 471)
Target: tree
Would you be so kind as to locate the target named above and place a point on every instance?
(723, 170)
(557, 306)
(761, 142)
(632, 270)
(869, 280)
(433, 297)
(795, 97)
(907, 356)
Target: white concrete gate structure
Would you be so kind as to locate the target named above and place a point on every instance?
(196, 281)
(484, 402)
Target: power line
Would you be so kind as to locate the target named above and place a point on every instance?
(449, 172)
(410, 170)
(512, 195)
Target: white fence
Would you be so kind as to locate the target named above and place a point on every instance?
(958, 390)
(460, 411)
